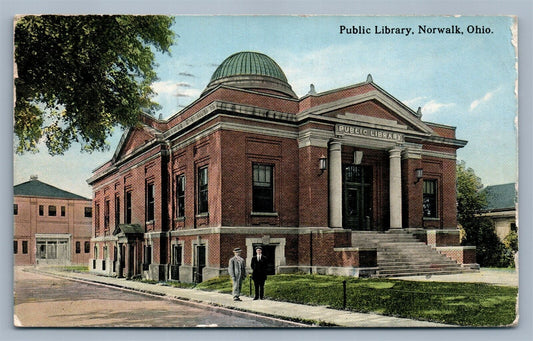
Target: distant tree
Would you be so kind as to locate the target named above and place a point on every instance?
(470, 200)
(478, 230)
(79, 76)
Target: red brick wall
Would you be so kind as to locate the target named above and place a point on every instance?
(355, 90)
(240, 151)
(443, 131)
(411, 194)
(313, 192)
(462, 255)
(28, 222)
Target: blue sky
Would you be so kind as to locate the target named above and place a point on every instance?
(464, 80)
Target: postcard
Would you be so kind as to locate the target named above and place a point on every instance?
(265, 171)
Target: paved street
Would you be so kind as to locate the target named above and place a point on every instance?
(42, 300)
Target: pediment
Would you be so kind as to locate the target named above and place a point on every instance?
(374, 108)
(132, 139)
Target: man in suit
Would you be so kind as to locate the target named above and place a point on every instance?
(237, 272)
(259, 274)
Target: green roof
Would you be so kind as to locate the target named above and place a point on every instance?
(128, 229)
(36, 188)
(500, 197)
(249, 63)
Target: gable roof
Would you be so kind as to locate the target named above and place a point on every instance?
(500, 197)
(36, 188)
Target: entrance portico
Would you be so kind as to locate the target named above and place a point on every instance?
(346, 200)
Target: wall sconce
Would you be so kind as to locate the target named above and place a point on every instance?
(419, 173)
(322, 164)
(357, 157)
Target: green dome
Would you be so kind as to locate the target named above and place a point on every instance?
(249, 63)
(252, 71)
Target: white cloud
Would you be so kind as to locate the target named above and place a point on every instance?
(488, 96)
(433, 106)
(167, 89)
(414, 102)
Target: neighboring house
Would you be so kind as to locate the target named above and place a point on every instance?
(250, 163)
(501, 208)
(51, 226)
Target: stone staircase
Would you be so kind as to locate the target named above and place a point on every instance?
(400, 253)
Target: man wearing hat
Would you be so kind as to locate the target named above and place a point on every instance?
(237, 272)
(259, 274)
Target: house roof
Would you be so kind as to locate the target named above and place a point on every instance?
(36, 188)
(128, 229)
(500, 197)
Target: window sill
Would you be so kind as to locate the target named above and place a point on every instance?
(203, 215)
(431, 219)
(178, 219)
(264, 214)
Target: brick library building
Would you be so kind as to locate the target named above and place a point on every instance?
(348, 181)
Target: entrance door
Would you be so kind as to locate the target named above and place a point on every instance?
(357, 197)
(269, 251)
(200, 263)
(176, 262)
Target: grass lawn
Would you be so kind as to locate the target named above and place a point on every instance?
(464, 304)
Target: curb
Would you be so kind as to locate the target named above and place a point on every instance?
(231, 311)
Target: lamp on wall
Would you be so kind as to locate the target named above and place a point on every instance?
(322, 164)
(419, 173)
(357, 157)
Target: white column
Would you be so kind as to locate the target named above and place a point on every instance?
(395, 188)
(335, 184)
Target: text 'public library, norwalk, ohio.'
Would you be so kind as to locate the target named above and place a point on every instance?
(321, 182)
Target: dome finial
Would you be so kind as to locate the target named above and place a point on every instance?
(312, 90)
(369, 79)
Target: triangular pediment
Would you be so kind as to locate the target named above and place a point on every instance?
(375, 107)
(132, 139)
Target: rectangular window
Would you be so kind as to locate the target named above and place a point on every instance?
(263, 189)
(87, 247)
(63, 211)
(150, 202)
(78, 247)
(430, 199)
(88, 213)
(117, 210)
(106, 214)
(15, 209)
(15, 246)
(52, 211)
(24, 246)
(128, 208)
(180, 195)
(41, 210)
(203, 206)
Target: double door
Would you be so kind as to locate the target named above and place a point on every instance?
(357, 197)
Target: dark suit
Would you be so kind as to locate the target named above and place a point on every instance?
(259, 275)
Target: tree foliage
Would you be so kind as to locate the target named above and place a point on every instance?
(478, 230)
(79, 76)
(470, 199)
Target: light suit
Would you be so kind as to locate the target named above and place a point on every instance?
(237, 272)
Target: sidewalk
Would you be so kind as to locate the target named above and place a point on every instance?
(275, 309)
(506, 277)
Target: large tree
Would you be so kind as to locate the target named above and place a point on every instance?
(77, 77)
(479, 230)
(470, 199)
